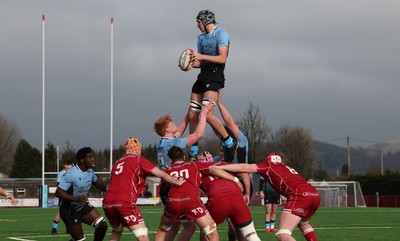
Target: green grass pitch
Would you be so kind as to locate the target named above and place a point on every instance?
(330, 224)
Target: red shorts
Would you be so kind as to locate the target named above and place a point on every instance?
(192, 207)
(304, 202)
(123, 213)
(232, 206)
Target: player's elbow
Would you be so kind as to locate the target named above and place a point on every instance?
(212, 170)
(57, 193)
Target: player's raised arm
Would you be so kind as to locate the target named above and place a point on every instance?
(228, 119)
(182, 126)
(165, 177)
(201, 126)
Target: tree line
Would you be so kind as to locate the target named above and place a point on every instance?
(18, 159)
(294, 143)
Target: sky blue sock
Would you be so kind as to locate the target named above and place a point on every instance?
(193, 150)
(55, 224)
(228, 142)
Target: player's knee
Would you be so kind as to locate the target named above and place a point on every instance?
(100, 224)
(206, 101)
(304, 222)
(141, 233)
(249, 232)
(195, 106)
(164, 227)
(211, 230)
(82, 239)
(118, 229)
(282, 233)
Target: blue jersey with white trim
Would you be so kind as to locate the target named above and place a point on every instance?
(163, 147)
(79, 181)
(209, 44)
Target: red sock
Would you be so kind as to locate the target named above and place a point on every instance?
(310, 235)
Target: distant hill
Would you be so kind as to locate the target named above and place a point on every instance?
(331, 158)
(392, 146)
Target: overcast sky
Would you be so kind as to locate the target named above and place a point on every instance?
(332, 67)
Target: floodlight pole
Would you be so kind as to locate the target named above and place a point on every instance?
(112, 92)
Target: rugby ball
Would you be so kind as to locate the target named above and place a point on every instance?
(185, 62)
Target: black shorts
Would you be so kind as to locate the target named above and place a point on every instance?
(272, 198)
(209, 80)
(72, 216)
(251, 189)
(164, 191)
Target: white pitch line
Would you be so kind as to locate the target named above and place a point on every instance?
(20, 239)
(197, 231)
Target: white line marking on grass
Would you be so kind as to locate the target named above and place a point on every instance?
(20, 239)
(28, 238)
(7, 220)
(375, 227)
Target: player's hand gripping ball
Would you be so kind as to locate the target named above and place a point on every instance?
(185, 59)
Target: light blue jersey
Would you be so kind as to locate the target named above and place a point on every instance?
(80, 182)
(209, 44)
(163, 147)
(59, 175)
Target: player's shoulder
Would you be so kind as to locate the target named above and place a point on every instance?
(203, 165)
(143, 159)
(70, 174)
(72, 170)
(262, 165)
(220, 30)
